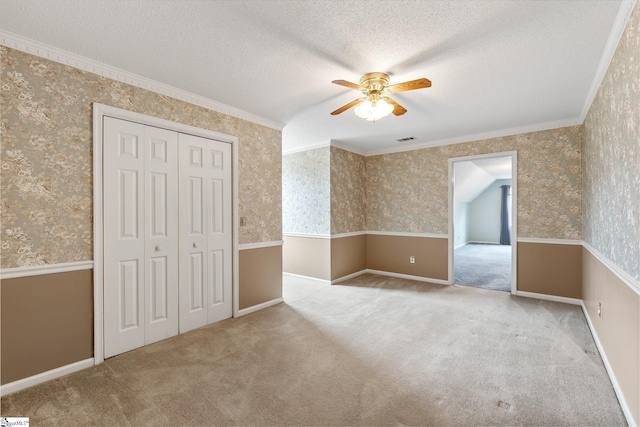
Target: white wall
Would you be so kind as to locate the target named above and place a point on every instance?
(461, 223)
(484, 214)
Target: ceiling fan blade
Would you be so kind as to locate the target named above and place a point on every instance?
(411, 85)
(348, 84)
(346, 107)
(398, 109)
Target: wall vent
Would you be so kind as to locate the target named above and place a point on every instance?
(409, 138)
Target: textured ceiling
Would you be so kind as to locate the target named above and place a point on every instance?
(495, 65)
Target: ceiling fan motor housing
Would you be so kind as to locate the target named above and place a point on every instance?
(374, 82)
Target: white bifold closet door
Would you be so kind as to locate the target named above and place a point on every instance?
(141, 230)
(205, 231)
(167, 234)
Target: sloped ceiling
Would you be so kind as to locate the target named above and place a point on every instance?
(475, 176)
(495, 65)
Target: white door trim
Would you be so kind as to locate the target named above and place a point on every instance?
(99, 111)
(514, 211)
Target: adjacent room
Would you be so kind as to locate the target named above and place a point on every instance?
(482, 222)
(271, 212)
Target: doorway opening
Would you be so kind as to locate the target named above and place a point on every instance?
(482, 221)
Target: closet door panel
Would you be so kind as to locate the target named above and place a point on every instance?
(124, 236)
(193, 244)
(219, 234)
(161, 243)
(217, 294)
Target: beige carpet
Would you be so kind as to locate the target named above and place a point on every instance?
(371, 351)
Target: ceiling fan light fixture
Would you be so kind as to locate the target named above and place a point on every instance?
(376, 104)
(373, 110)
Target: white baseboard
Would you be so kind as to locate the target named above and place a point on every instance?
(315, 279)
(258, 307)
(616, 387)
(408, 276)
(348, 276)
(546, 297)
(45, 376)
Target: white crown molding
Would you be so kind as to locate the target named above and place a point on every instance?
(619, 25)
(400, 234)
(345, 147)
(625, 277)
(332, 143)
(260, 245)
(480, 136)
(549, 241)
(42, 50)
(305, 148)
(39, 270)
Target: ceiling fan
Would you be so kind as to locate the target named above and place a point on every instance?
(375, 105)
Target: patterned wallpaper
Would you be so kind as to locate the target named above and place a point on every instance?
(306, 192)
(46, 168)
(347, 191)
(611, 158)
(408, 191)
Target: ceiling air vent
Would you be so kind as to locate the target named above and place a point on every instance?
(409, 138)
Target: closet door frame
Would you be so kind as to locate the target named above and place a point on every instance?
(99, 112)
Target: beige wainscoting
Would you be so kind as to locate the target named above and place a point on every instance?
(550, 268)
(47, 322)
(391, 254)
(260, 276)
(618, 330)
(348, 255)
(307, 256)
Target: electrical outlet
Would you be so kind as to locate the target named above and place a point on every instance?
(600, 310)
(412, 259)
(243, 221)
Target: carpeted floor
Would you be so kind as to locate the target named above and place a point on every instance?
(370, 351)
(483, 266)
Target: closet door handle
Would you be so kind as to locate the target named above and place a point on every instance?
(195, 244)
(158, 247)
